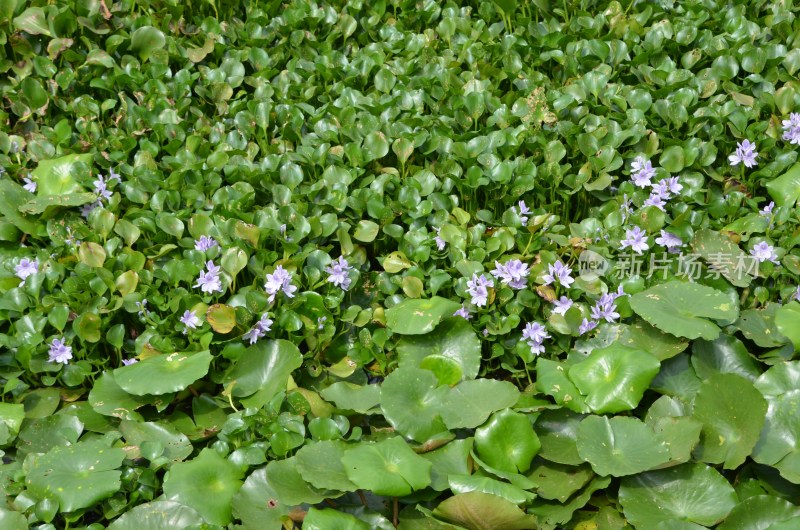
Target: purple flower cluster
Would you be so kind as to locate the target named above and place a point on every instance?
(338, 272)
(190, 320)
(205, 243)
(440, 243)
(604, 309)
(636, 239)
(462, 312)
(745, 154)
(259, 329)
(669, 241)
(280, 280)
(102, 192)
(513, 273)
(562, 305)
(25, 268)
(30, 185)
(558, 272)
(764, 252)
(534, 335)
(791, 128)
(59, 352)
(524, 212)
(643, 172)
(209, 281)
(478, 289)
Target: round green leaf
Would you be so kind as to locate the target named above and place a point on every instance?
(108, 399)
(471, 402)
(289, 486)
(411, 399)
(725, 256)
(454, 339)
(221, 318)
(329, 519)
(77, 476)
(92, 254)
(557, 481)
(56, 176)
(388, 467)
(206, 483)
(620, 446)
(257, 503)
(417, 317)
(760, 512)
(263, 370)
(787, 318)
(163, 373)
(159, 515)
(347, 396)
(732, 412)
(176, 445)
(476, 510)
(693, 493)
(785, 189)
(507, 441)
(614, 378)
(726, 354)
(779, 443)
(558, 432)
(447, 370)
(320, 464)
(11, 520)
(87, 327)
(145, 40)
(375, 146)
(682, 309)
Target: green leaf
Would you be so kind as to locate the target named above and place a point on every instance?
(257, 503)
(732, 412)
(727, 355)
(163, 373)
(417, 317)
(57, 176)
(145, 40)
(289, 486)
(507, 441)
(552, 380)
(206, 483)
(410, 400)
(614, 378)
(785, 189)
(375, 146)
(158, 515)
(760, 512)
(366, 231)
(475, 510)
(108, 399)
(320, 464)
(359, 398)
(328, 519)
(176, 446)
(14, 197)
(11, 520)
(558, 433)
(263, 371)
(682, 309)
(221, 318)
(557, 481)
(77, 476)
(453, 339)
(620, 446)
(724, 256)
(388, 467)
(470, 403)
(779, 443)
(88, 327)
(509, 492)
(787, 319)
(33, 21)
(92, 254)
(451, 459)
(693, 493)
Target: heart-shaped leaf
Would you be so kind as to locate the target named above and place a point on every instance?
(163, 373)
(388, 467)
(620, 446)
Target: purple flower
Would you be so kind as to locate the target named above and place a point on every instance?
(605, 308)
(560, 273)
(643, 172)
(321, 323)
(190, 320)
(535, 332)
(29, 185)
(764, 252)
(745, 154)
(562, 305)
(89, 208)
(209, 281)
(669, 241)
(524, 212)
(204, 243)
(113, 175)
(59, 352)
(674, 185)
(259, 329)
(477, 288)
(25, 268)
(636, 239)
(280, 280)
(619, 292)
(586, 325)
(655, 199)
(791, 128)
(338, 273)
(513, 273)
(626, 208)
(440, 243)
(485, 332)
(128, 362)
(463, 312)
(101, 189)
(142, 307)
(767, 211)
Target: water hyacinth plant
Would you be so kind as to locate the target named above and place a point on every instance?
(414, 265)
